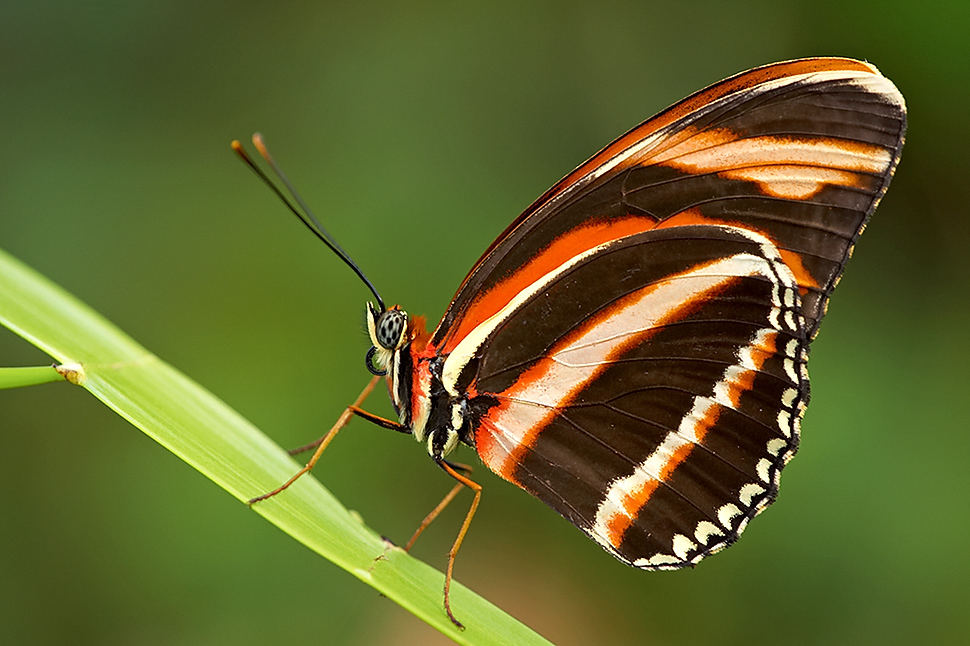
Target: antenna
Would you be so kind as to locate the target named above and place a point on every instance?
(306, 216)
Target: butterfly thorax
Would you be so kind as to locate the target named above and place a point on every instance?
(413, 372)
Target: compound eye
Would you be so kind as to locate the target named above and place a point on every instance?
(390, 327)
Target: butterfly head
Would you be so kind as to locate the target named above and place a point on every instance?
(388, 331)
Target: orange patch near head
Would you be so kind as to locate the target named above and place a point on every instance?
(418, 332)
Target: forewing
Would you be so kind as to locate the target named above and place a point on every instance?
(799, 151)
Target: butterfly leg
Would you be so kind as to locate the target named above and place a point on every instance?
(463, 468)
(321, 444)
(477, 488)
(359, 412)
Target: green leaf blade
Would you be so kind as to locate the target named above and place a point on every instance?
(217, 441)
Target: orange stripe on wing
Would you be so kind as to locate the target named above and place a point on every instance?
(741, 383)
(628, 496)
(744, 81)
(561, 250)
(792, 259)
(741, 82)
(512, 427)
(636, 500)
(721, 149)
(785, 166)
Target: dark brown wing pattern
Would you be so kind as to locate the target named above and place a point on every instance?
(800, 151)
(634, 346)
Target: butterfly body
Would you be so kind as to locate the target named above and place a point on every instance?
(632, 349)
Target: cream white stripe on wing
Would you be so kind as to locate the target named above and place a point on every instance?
(622, 504)
(572, 367)
(468, 346)
(788, 166)
(870, 81)
(716, 154)
(464, 351)
(627, 495)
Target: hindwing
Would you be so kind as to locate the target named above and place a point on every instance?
(656, 415)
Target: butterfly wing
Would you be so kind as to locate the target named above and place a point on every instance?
(800, 151)
(633, 346)
(659, 423)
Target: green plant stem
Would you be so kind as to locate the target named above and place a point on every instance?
(213, 438)
(29, 376)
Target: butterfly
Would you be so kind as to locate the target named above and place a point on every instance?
(632, 349)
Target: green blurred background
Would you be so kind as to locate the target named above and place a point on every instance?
(418, 133)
